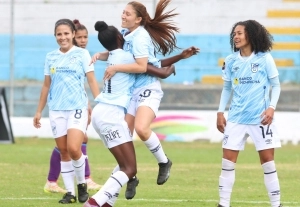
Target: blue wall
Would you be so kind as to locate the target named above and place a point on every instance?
(30, 52)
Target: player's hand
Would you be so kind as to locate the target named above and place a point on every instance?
(189, 52)
(36, 120)
(221, 122)
(109, 73)
(95, 57)
(267, 116)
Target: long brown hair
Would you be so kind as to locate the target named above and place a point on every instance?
(161, 29)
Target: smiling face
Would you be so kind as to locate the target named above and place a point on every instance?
(240, 38)
(64, 37)
(81, 38)
(130, 19)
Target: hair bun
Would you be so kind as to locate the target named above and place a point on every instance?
(76, 21)
(100, 26)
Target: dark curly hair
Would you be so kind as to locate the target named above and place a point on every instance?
(258, 36)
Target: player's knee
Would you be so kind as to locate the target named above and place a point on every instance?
(265, 159)
(144, 132)
(74, 153)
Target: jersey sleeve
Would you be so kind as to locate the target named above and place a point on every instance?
(271, 66)
(86, 59)
(226, 70)
(141, 45)
(46, 67)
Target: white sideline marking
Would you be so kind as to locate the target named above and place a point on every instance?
(159, 200)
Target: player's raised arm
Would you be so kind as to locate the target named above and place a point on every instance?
(183, 55)
(99, 56)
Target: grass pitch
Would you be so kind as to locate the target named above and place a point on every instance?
(193, 182)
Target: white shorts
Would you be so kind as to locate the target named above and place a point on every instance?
(149, 95)
(109, 122)
(263, 136)
(61, 121)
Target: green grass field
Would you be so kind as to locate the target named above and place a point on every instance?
(193, 182)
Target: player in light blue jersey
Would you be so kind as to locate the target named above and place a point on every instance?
(63, 90)
(143, 37)
(51, 186)
(248, 74)
(108, 117)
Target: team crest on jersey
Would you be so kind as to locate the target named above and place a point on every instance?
(254, 67)
(73, 59)
(236, 81)
(52, 70)
(127, 46)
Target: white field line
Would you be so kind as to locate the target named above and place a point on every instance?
(162, 200)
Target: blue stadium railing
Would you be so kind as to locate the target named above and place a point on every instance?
(30, 52)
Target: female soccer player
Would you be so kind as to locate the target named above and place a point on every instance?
(143, 38)
(248, 73)
(65, 71)
(51, 186)
(108, 117)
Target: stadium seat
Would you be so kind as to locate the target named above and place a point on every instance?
(283, 13)
(286, 46)
(278, 62)
(212, 79)
(284, 30)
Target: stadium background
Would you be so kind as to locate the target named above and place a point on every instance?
(204, 24)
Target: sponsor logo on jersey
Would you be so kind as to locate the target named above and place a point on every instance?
(63, 70)
(112, 135)
(247, 80)
(52, 70)
(254, 67)
(268, 141)
(236, 81)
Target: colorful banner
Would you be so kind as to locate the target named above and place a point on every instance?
(182, 126)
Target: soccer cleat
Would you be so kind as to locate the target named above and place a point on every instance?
(68, 198)
(82, 192)
(91, 203)
(52, 187)
(220, 205)
(91, 185)
(131, 188)
(280, 205)
(164, 172)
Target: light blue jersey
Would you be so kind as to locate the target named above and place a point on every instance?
(250, 78)
(118, 90)
(140, 44)
(67, 72)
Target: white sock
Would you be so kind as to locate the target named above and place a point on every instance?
(153, 144)
(272, 183)
(112, 201)
(226, 181)
(67, 173)
(79, 168)
(111, 188)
